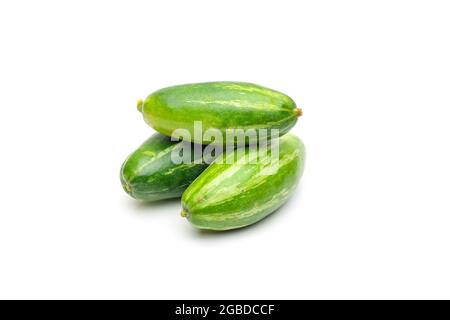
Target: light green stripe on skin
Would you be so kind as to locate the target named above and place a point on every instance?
(235, 103)
(156, 156)
(249, 87)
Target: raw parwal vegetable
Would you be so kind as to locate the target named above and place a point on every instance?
(150, 174)
(228, 196)
(218, 105)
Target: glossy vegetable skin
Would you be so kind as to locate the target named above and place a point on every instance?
(150, 174)
(229, 196)
(218, 105)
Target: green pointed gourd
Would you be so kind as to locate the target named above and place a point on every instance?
(150, 174)
(219, 106)
(234, 195)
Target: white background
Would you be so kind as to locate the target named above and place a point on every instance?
(371, 216)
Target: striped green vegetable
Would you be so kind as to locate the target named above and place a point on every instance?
(150, 174)
(234, 195)
(218, 105)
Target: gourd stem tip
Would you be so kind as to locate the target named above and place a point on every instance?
(298, 112)
(140, 104)
(184, 213)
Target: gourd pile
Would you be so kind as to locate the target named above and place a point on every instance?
(233, 187)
